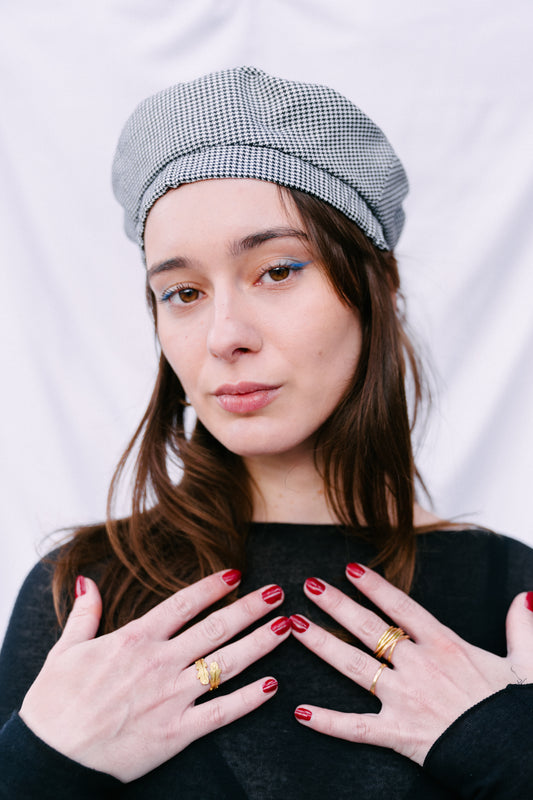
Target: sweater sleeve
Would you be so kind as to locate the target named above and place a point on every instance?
(482, 755)
(31, 633)
(28, 766)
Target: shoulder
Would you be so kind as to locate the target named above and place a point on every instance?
(468, 577)
(478, 550)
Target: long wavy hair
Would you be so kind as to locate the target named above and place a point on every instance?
(180, 531)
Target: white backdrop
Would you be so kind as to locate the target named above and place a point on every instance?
(451, 84)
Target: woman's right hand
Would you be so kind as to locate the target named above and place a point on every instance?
(124, 703)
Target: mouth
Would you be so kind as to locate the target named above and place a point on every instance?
(243, 397)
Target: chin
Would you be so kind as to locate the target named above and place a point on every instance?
(257, 446)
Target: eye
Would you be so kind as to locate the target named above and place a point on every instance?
(281, 272)
(180, 295)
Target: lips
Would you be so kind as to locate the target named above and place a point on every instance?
(245, 396)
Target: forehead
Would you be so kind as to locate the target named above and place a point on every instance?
(216, 210)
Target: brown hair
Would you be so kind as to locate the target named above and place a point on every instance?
(180, 532)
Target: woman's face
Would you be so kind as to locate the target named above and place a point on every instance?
(263, 346)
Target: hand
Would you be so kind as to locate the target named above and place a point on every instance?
(123, 703)
(435, 676)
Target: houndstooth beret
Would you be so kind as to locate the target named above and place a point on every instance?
(243, 123)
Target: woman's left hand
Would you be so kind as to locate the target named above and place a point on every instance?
(434, 677)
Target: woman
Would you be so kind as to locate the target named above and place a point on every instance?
(267, 212)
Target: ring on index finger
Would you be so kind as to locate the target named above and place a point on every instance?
(388, 641)
(208, 674)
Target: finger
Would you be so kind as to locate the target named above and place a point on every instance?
(225, 623)
(363, 623)
(173, 613)
(349, 660)
(225, 709)
(83, 621)
(362, 728)
(234, 658)
(519, 626)
(397, 605)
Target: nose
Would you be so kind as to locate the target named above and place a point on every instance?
(233, 328)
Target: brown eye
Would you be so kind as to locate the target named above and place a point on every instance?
(188, 295)
(279, 273)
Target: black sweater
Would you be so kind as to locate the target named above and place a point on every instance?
(467, 579)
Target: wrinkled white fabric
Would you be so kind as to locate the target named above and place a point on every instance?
(449, 83)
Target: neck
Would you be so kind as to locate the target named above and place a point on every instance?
(288, 488)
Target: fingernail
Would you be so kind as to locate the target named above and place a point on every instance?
(81, 586)
(270, 685)
(231, 577)
(299, 623)
(272, 594)
(355, 570)
(303, 713)
(529, 601)
(281, 625)
(315, 586)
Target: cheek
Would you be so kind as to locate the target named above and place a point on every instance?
(178, 351)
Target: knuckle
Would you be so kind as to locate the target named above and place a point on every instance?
(403, 605)
(335, 600)
(360, 730)
(215, 716)
(224, 661)
(450, 646)
(181, 607)
(356, 665)
(214, 627)
(131, 635)
(372, 626)
(248, 607)
(321, 638)
(329, 726)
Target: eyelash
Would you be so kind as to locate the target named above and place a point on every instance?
(292, 266)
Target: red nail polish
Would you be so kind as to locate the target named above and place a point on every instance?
(231, 577)
(303, 713)
(281, 625)
(299, 623)
(315, 586)
(81, 586)
(272, 595)
(529, 601)
(355, 570)
(270, 685)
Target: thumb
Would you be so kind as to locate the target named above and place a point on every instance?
(519, 625)
(84, 619)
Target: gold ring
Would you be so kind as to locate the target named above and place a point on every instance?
(388, 641)
(208, 675)
(377, 677)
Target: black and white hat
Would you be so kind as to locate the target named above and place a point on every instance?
(243, 123)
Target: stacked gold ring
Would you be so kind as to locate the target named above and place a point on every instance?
(388, 641)
(208, 674)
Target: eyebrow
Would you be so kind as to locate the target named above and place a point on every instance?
(236, 248)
